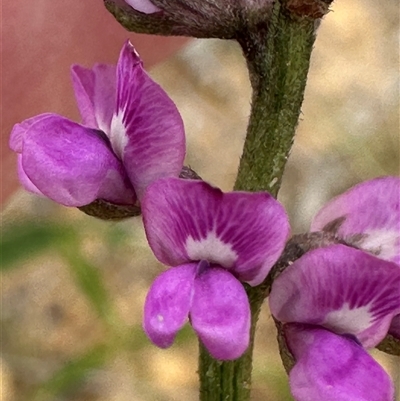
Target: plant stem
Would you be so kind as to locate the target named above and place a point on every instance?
(278, 56)
(278, 59)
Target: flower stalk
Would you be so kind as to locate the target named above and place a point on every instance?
(278, 58)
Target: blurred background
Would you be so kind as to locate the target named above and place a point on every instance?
(73, 287)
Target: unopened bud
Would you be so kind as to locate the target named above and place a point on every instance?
(198, 18)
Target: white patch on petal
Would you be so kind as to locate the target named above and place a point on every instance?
(118, 136)
(346, 320)
(382, 243)
(211, 249)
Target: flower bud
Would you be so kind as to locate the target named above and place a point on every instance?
(198, 18)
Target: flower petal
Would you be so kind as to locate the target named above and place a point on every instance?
(19, 130)
(24, 179)
(191, 220)
(371, 217)
(144, 6)
(147, 131)
(168, 303)
(330, 367)
(220, 313)
(341, 288)
(73, 165)
(95, 92)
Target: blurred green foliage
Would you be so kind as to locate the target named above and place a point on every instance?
(25, 240)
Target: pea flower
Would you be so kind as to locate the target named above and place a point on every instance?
(131, 134)
(337, 301)
(210, 240)
(368, 217)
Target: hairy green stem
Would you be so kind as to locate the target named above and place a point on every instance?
(278, 56)
(278, 59)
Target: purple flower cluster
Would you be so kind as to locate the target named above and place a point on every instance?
(129, 148)
(335, 302)
(338, 301)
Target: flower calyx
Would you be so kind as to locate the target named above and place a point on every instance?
(106, 210)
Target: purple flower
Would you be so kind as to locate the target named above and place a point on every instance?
(368, 217)
(131, 134)
(212, 239)
(336, 301)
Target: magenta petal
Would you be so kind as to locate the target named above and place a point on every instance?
(147, 131)
(341, 288)
(220, 313)
(168, 303)
(19, 130)
(144, 6)
(191, 220)
(330, 367)
(71, 164)
(24, 179)
(371, 209)
(95, 91)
